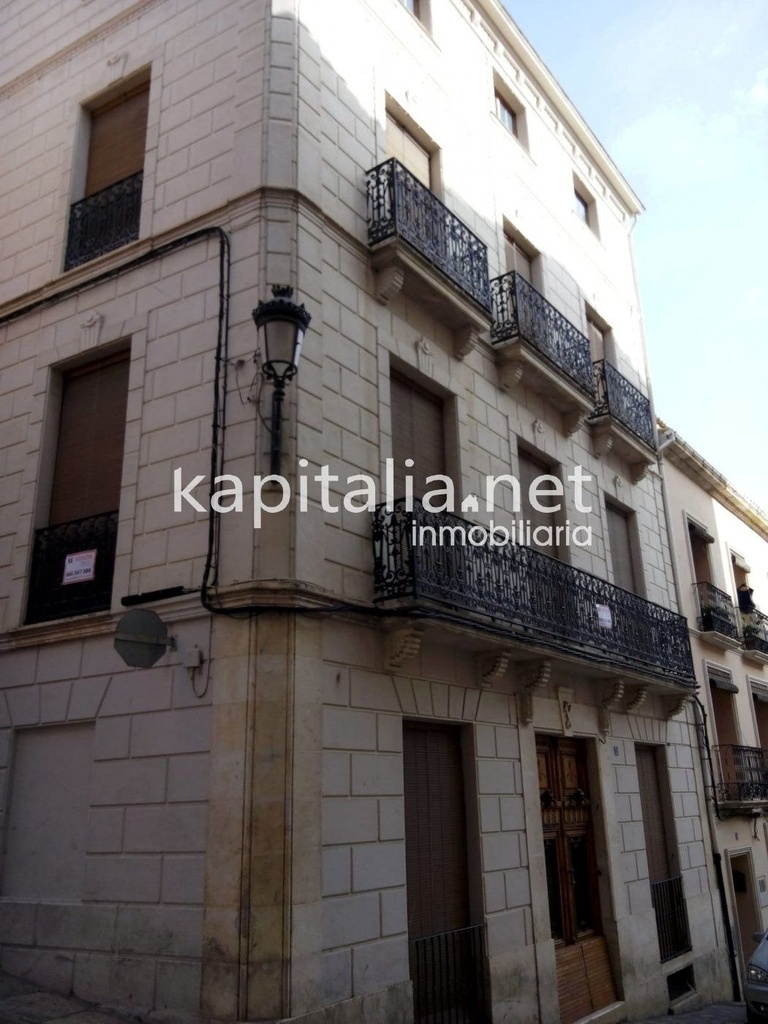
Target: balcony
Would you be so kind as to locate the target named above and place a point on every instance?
(448, 974)
(622, 420)
(539, 599)
(104, 221)
(541, 348)
(742, 775)
(754, 628)
(718, 618)
(63, 585)
(419, 246)
(671, 918)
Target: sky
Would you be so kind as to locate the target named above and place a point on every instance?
(677, 93)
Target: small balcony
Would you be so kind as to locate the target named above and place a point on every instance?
(718, 618)
(754, 630)
(448, 975)
(72, 568)
(540, 348)
(419, 246)
(622, 420)
(420, 559)
(671, 918)
(742, 775)
(104, 221)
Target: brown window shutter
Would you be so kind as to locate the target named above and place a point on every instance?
(435, 829)
(118, 140)
(654, 825)
(403, 147)
(621, 549)
(529, 469)
(89, 454)
(596, 340)
(418, 433)
(517, 259)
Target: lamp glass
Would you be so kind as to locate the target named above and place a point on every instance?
(282, 343)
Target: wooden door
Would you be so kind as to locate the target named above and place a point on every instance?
(584, 978)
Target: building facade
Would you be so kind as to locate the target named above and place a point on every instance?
(381, 749)
(721, 554)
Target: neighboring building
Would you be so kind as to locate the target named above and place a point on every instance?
(374, 778)
(719, 539)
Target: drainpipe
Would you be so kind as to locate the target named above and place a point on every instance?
(706, 754)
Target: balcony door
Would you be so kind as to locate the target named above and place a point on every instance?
(408, 150)
(584, 978)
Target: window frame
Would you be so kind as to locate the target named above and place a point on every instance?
(584, 206)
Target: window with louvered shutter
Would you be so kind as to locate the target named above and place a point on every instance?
(404, 147)
(418, 433)
(654, 823)
(621, 548)
(89, 453)
(435, 829)
(118, 140)
(596, 336)
(529, 469)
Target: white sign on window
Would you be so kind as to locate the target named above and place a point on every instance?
(604, 617)
(79, 567)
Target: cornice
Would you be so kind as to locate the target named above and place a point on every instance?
(702, 473)
(574, 132)
(83, 42)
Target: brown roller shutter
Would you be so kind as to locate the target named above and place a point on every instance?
(653, 815)
(435, 829)
(529, 469)
(418, 433)
(118, 140)
(89, 455)
(621, 549)
(404, 147)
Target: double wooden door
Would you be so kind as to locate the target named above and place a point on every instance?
(584, 978)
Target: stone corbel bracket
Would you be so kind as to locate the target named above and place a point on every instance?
(403, 645)
(465, 339)
(493, 668)
(572, 421)
(641, 696)
(535, 675)
(389, 281)
(610, 703)
(511, 373)
(678, 706)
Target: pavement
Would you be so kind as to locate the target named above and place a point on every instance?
(24, 1002)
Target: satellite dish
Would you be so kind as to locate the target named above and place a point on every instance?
(141, 638)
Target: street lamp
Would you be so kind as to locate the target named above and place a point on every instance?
(284, 325)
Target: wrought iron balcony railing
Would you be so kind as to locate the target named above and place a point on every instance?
(671, 918)
(520, 311)
(400, 206)
(743, 773)
(619, 398)
(104, 221)
(448, 975)
(754, 627)
(60, 586)
(420, 555)
(717, 612)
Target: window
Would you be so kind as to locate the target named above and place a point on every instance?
(48, 813)
(414, 6)
(506, 115)
(418, 433)
(541, 523)
(518, 258)
(403, 146)
(445, 952)
(667, 895)
(73, 556)
(108, 215)
(600, 337)
(700, 541)
(584, 206)
(620, 541)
